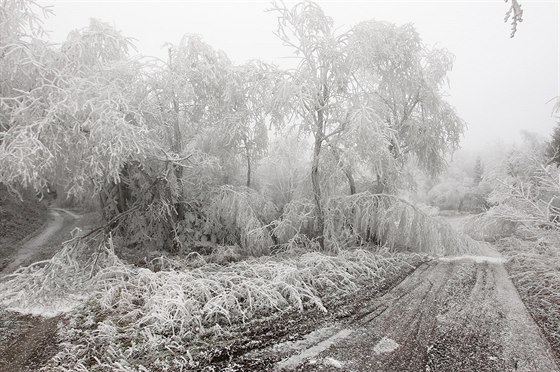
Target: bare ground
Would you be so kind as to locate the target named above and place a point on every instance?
(26, 342)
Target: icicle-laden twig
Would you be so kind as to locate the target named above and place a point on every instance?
(515, 13)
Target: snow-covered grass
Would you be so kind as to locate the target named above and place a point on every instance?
(127, 317)
(58, 285)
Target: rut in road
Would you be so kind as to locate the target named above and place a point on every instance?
(448, 315)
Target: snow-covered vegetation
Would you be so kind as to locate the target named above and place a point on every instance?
(166, 315)
(165, 147)
(231, 193)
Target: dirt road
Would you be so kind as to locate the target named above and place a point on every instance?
(449, 315)
(26, 341)
(41, 246)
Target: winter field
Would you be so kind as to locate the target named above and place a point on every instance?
(190, 213)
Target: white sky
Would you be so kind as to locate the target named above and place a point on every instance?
(498, 85)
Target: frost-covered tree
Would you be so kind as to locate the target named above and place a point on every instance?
(156, 140)
(82, 119)
(184, 93)
(525, 196)
(216, 106)
(372, 95)
(23, 54)
(247, 95)
(403, 82)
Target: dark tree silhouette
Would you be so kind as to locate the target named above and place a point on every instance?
(553, 147)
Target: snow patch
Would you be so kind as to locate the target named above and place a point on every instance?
(331, 362)
(385, 345)
(46, 311)
(294, 361)
(71, 214)
(308, 340)
(477, 259)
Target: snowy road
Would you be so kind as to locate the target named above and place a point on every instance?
(448, 315)
(59, 219)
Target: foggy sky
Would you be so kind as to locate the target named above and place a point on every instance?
(498, 85)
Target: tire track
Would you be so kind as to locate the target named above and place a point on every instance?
(448, 315)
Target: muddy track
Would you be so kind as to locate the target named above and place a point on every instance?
(26, 341)
(57, 229)
(446, 316)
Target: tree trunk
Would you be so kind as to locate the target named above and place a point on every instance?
(178, 149)
(248, 155)
(347, 170)
(351, 181)
(317, 189)
(315, 181)
(123, 192)
(379, 187)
